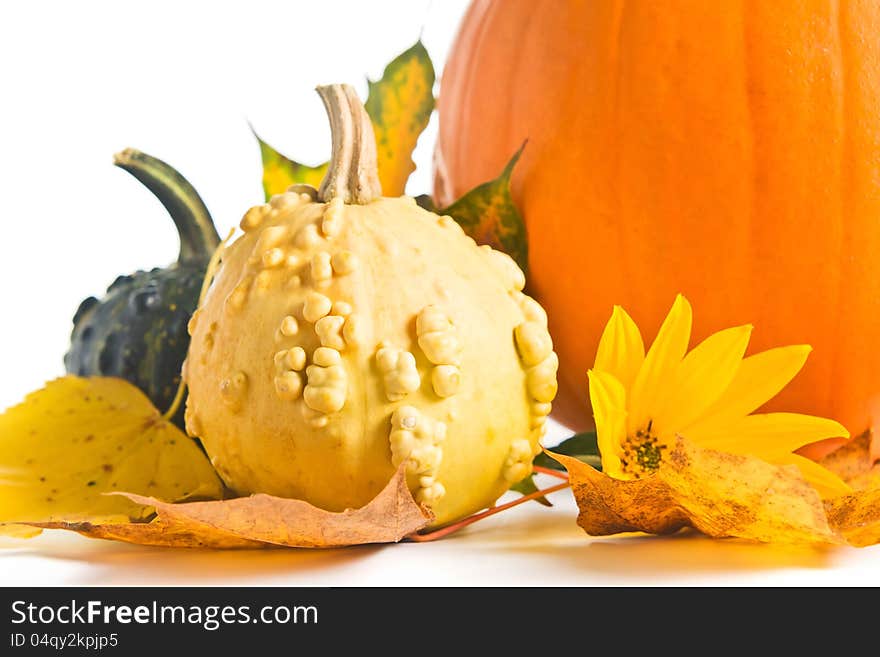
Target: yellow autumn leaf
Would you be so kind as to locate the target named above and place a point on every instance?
(77, 438)
(719, 494)
(261, 520)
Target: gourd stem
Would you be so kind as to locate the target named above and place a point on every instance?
(461, 524)
(353, 173)
(198, 237)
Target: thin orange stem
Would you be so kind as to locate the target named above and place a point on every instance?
(461, 524)
(550, 471)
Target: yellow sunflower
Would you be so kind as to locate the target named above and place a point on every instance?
(641, 402)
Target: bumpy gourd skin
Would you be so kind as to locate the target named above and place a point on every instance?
(338, 341)
(138, 331)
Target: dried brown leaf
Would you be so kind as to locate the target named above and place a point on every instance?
(263, 520)
(867, 480)
(854, 462)
(159, 532)
(719, 494)
(856, 517)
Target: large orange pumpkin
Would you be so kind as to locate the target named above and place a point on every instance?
(726, 150)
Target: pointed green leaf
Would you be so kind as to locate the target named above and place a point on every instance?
(400, 104)
(425, 202)
(527, 487)
(280, 172)
(488, 214)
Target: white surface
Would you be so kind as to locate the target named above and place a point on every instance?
(83, 80)
(529, 545)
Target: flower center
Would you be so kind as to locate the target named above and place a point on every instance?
(642, 453)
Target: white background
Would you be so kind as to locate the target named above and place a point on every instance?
(80, 81)
(180, 80)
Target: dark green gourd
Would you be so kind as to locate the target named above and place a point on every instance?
(137, 331)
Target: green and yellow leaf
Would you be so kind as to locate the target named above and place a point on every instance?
(488, 214)
(67, 444)
(280, 172)
(399, 104)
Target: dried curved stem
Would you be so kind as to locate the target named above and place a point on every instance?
(353, 173)
(461, 524)
(550, 472)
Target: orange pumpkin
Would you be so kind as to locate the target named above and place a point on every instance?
(729, 151)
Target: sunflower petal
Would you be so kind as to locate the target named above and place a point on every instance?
(704, 375)
(651, 385)
(822, 479)
(758, 379)
(621, 350)
(608, 398)
(768, 435)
